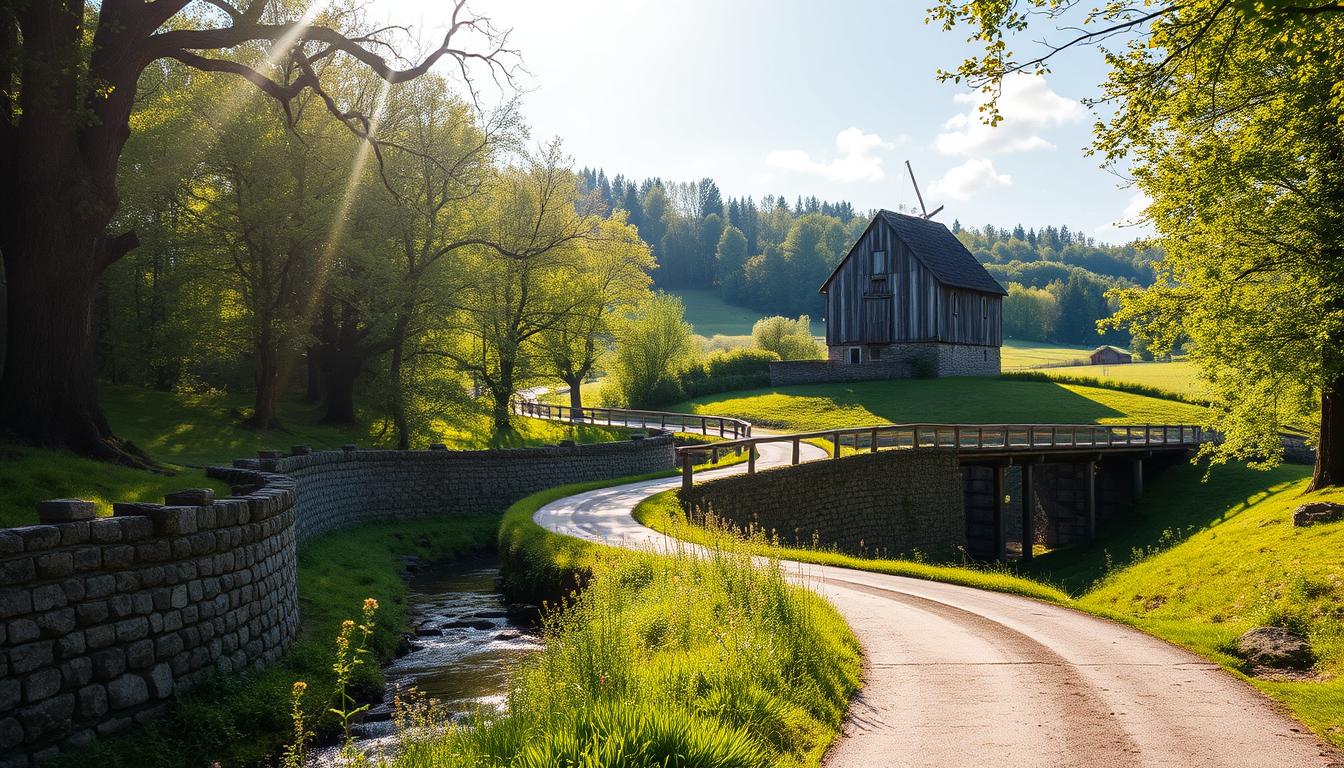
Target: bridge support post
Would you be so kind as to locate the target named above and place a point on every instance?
(1091, 500)
(751, 460)
(835, 440)
(1137, 488)
(796, 456)
(1028, 513)
(1000, 519)
(687, 471)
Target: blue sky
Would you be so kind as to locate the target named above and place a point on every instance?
(791, 97)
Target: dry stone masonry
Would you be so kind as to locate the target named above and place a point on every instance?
(890, 503)
(103, 620)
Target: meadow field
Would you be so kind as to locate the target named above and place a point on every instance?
(1178, 377)
(950, 400)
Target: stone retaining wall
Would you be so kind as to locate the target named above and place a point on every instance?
(889, 503)
(788, 372)
(103, 620)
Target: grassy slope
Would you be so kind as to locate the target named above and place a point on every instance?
(708, 656)
(1198, 564)
(1180, 377)
(1203, 562)
(240, 720)
(662, 512)
(1018, 353)
(187, 432)
(950, 400)
(711, 316)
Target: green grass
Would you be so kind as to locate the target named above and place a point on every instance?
(198, 430)
(1179, 377)
(950, 400)
(1020, 353)
(30, 475)
(710, 316)
(187, 432)
(662, 512)
(1203, 562)
(1197, 564)
(244, 719)
(659, 660)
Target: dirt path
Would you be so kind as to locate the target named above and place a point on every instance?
(956, 676)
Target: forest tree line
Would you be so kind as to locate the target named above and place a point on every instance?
(773, 255)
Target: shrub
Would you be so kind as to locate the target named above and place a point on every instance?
(790, 339)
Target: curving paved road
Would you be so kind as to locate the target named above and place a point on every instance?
(955, 676)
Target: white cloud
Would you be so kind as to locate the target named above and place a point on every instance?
(1134, 214)
(963, 181)
(1028, 107)
(856, 159)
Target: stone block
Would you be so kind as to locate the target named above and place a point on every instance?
(109, 663)
(40, 685)
(18, 570)
(190, 497)
(38, 537)
(160, 680)
(22, 631)
(10, 543)
(91, 702)
(11, 735)
(140, 654)
(127, 691)
(54, 565)
(54, 511)
(77, 672)
(47, 718)
(105, 530)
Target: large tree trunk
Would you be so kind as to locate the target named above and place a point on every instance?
(268, 387)
(575, 398)
(501, 393)
(338, 382)
(1329, 469)
(313, 391)
(398, 387)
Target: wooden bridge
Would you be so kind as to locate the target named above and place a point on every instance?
(1074, 458)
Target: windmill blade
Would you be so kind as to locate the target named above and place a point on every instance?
(935, 212)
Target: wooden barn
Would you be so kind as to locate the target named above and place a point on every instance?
(1109, 355)
(909, 293)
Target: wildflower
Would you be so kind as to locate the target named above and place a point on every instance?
(299, 688)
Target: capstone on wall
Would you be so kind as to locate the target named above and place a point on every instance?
(103, 620)
(889, 503)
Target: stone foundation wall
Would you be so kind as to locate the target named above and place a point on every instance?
(788, 372)
(895, 361)
(889, 503)
(103, 620)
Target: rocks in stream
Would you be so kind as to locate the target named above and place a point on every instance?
(490, 615)
(469, 624)
(508, 634)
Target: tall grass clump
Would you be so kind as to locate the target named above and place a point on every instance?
(695, 658)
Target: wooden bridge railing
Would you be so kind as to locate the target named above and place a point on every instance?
(720, 426)
(970, 439)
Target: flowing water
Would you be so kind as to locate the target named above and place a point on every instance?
(463, 648)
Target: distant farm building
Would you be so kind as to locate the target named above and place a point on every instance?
(908, 299)
(1108, 355)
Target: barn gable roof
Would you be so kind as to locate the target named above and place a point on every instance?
(940, 250)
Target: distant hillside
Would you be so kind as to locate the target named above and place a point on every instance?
(771, 256)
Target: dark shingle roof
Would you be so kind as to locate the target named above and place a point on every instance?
(941, 251)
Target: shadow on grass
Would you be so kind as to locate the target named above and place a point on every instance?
(1176, 505)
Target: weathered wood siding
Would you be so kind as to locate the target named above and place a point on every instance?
(911, 306)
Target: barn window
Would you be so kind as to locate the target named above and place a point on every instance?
(875, 353)
(984, 308)
(954, 303)
(854, 355)
(879, 262)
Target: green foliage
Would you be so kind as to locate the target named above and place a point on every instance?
(653, 344)
(1231, 119)
(725, 371)
(789, 339)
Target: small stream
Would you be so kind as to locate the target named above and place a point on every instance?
(462, 649)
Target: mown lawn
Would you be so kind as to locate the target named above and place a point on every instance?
(1020, 353)
(1179, 377)
(709, 315)
(950, 400)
